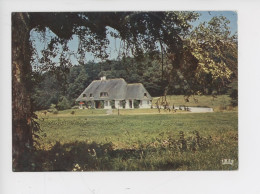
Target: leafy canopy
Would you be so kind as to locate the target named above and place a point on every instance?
(140, 32)
(216, 52)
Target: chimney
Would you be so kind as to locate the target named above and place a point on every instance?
(103, 78)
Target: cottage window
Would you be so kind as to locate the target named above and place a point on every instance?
(145, 95)
(84, 95)
(90, 95)
(103, 94)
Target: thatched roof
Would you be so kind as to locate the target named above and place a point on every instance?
(137, 91)
(116, 89)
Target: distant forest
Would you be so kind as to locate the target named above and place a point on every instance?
(62, 87)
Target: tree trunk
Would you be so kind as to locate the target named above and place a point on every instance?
(162, 59)
(21, 105)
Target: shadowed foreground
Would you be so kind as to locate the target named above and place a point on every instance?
(184, 153)
(90, 142)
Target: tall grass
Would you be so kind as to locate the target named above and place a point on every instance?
(86, 141)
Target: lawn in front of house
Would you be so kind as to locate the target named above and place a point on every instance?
(96, 141)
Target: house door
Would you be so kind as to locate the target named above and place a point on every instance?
(99, 104)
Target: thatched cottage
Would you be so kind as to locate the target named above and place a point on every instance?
(115, 93)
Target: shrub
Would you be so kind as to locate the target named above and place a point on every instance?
(89, 104)
(123, 103)
(112, 103)
(55, 112)
(102, 104)
(136, 103)
(63, 104)
(52, 108)
(222, 108)
(233, 93)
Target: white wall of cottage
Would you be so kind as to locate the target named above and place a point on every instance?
(145, 104)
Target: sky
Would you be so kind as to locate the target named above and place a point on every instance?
(113, 48)
(230, 15)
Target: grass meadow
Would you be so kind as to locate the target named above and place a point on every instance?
(218, 103)
(91, 140)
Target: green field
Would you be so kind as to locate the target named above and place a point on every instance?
(218, 103)
(91, 140)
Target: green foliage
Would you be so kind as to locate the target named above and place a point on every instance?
(46, 91)
(140, 32)
(55, 112)
(63, 104)
(233, 93)
(216, 52)
(84, 156)
(78, 80)
(102, 104)
(112, 103)
(123, 103)
(52, 108)
(89, 104)
(136, 103)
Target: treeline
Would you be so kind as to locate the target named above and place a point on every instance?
(62, 86)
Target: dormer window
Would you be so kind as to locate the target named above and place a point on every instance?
(84, 95)
(145, 94)
(103, 94)
(90, 95)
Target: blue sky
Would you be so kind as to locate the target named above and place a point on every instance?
(230, 15)
(114, 45)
